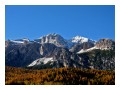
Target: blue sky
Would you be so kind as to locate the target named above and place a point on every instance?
(30, 21)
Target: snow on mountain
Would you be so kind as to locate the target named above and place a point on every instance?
(55, 39)
(49, 50)
(87, 50)
(59, 41)
(102, 44)
(41, 61)
(19, 42)
(79, 39)
(25, 39)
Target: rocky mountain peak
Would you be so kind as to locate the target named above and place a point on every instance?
(55, 39)
(50, 35)
(105, 43)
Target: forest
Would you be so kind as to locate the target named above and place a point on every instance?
(58, 76)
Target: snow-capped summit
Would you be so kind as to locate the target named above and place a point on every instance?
(55, 39)
(79, 39)
(59, 41)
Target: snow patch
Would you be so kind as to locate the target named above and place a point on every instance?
(17, 41)
(87, 50)
(25, 39)
(41, 61)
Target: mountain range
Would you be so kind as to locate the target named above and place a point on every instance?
(53, 51)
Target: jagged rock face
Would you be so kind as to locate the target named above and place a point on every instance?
(65, 58)
(59, 41)
(59, 57)
(105, 44)
(21, 55)
(78, 47)
(47, 49)
(55, 39)
(23, 41)
(99, 59)
(7, 43)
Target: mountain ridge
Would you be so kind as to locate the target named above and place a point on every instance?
(47, 39)
(54, 51)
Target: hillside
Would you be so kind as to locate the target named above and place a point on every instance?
(60, 76)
